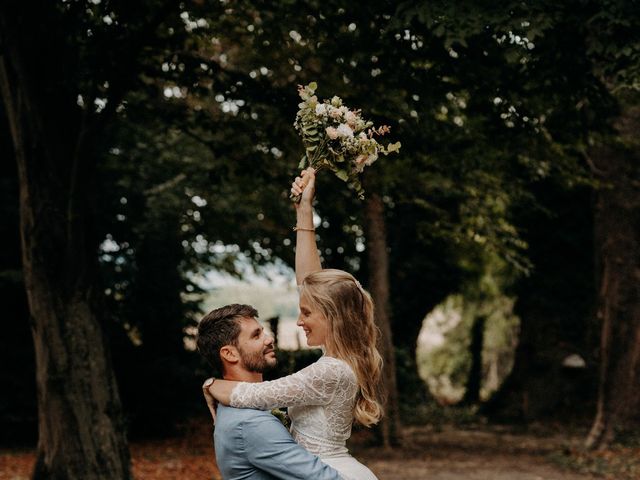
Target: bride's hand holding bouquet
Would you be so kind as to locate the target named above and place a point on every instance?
(304, 188)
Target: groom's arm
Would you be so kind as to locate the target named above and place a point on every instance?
(271, 449)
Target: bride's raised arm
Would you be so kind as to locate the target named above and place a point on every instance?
(307, 258)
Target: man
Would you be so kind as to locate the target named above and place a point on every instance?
(250, 444)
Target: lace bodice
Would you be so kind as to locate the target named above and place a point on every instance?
(320, 398)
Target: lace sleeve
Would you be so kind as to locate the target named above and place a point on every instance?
(316, 384)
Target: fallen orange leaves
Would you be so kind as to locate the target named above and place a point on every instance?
(187, 457)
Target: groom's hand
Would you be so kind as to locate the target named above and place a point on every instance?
(212, 403)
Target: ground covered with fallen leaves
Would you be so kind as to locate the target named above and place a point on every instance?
(445, 453)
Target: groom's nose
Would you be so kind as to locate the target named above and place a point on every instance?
(268, 339)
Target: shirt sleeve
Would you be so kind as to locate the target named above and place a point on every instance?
(316, 384)
(271, 449)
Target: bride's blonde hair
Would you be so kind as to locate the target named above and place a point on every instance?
(352, 334)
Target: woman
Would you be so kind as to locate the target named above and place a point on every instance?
(325, 398)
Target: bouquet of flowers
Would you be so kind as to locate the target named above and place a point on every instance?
(337, 138)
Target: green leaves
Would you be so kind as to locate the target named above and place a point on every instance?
(392, 147)
(342, 175)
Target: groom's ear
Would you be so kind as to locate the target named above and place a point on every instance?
(230, 354)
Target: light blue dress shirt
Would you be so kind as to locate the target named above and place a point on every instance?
(253, 444)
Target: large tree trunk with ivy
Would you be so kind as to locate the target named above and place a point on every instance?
(379, 286)
(617, 237)
(81, 433)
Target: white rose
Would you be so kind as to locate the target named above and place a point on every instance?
(344, 130)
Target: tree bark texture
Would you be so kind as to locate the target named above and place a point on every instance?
(81, 434)
(617, 238)
(379, 286)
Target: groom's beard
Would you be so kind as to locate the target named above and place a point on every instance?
(257, 362)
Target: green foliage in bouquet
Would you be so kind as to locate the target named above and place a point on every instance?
(282, 417)
(337, 138)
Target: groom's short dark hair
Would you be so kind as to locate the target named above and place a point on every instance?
(220, 327)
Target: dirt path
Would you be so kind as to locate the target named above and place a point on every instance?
(472, 468)
(454, 454)
(451, 453)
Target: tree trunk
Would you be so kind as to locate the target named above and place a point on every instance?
(617, 237)
(474, 380)
(81, 433)
(379, 285)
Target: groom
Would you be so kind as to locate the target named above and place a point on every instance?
(250, 444)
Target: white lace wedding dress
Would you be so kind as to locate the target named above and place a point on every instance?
(320, 398)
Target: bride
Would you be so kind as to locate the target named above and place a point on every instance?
(325, 398)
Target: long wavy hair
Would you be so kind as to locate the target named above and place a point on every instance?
(352, 334)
